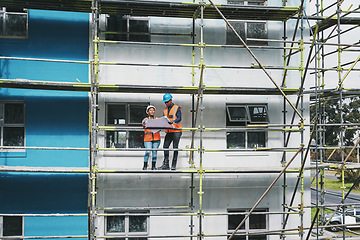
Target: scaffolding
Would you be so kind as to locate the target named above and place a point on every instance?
(327, 17)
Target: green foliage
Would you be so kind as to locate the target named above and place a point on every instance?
(350, 176)
(331, 111)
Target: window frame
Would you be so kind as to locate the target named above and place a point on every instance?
(246, 227)
(2, 226)
(127, 215)
(128, 33)
(246, 25)
(243, 123)
(5, 12)
(127, 123)
(9, 125)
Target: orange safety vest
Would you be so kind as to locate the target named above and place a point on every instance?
(150, 136)
(172, 117)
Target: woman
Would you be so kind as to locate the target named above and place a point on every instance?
(151, 139)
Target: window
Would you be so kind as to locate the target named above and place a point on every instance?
(241, 116)
(127, 28)
(257, 221)
(126, 115)
(11, 226)
(247, 29)
(128, 226)
(12, 123)
(13, 24)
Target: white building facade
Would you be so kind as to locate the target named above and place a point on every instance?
(227, 168)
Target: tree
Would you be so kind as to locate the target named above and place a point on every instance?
(332, 114)
(350, 176)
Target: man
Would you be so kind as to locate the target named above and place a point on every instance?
(173, 113)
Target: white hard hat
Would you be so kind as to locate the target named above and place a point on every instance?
(150, 106)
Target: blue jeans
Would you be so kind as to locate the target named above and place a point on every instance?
(173, 137)
(151, 144)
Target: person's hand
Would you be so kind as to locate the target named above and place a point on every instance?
(144, 125)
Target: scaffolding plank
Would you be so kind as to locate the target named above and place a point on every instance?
(160, 9)
(86, 87)
(329, 22)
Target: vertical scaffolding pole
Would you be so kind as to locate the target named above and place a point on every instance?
(320, 109)
(93, 119)
(201, 150)
(340, 87)
(317, 130)
(301, 90)
(283, 160)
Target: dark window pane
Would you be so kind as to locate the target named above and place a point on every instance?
(256, 30)
(114, 25)
(257, 237)
(136, 139)
(12, 226)
(2, 33)
(257, 3)
(14, 113)
(257, 221)
(231, 38)
(116, 139)
(14, 136)
(234, 221)
(117, 238)
(16, 25)
(137, 113)
(256, 139)
(115, 224)
(116, 114)
(139, 26)
(137, 238)
(258, 113)
(235, 140)
(239, 237)
(237, 114)
(137, 223)
(236, 2)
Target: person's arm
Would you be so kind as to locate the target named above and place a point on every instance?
(144, 122)
(178, 115)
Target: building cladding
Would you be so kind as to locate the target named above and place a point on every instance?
(47, 185)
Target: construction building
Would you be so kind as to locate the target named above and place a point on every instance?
(78, 75)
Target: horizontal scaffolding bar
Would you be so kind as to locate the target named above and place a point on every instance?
(161, 9)
(44, 60)
(86, 87)
(129, 171)
(44, 148)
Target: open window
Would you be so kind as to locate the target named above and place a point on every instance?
(240, 116)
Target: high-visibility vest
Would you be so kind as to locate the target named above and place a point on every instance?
(172, 117)
(150, 136)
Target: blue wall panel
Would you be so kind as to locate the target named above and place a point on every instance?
(43, 193)
(55, 226)
(53, 118)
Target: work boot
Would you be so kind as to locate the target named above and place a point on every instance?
(165, 165)
(173, 164)
(153, 166)
(145, 166)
